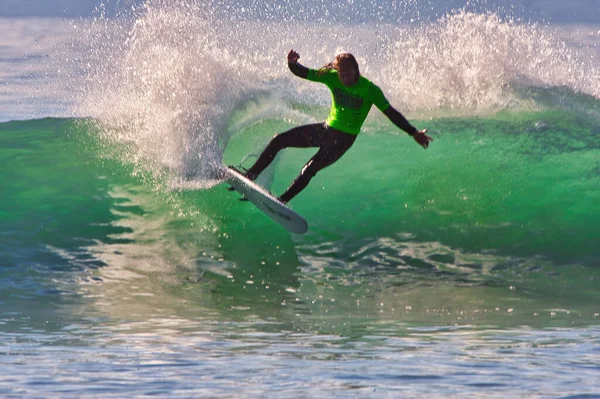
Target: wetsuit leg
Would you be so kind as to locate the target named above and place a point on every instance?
(327, 155)
(300, 137)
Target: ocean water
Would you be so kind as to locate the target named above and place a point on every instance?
(127, 269)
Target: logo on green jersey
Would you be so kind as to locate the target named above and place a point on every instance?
(346, 100)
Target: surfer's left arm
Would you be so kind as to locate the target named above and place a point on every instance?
(399, 120)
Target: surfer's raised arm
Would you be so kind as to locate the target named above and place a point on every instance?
(296, 68)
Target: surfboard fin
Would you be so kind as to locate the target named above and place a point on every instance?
(241, 170)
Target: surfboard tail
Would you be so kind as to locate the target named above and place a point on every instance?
(266, 202)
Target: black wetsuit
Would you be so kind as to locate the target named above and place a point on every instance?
(332, 145)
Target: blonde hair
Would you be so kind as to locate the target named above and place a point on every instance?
(343, 58)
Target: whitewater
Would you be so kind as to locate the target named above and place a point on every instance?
(469, 269)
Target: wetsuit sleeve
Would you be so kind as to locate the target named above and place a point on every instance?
(379, 98)
(399, 120)
(307, 73)
(299, 70)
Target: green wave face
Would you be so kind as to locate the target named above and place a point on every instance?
(499, 210)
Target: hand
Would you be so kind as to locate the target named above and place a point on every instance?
(292, 57)
(423, 139)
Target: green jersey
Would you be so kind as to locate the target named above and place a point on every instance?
(352, 104)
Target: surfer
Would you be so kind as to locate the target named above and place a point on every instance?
(353, 95)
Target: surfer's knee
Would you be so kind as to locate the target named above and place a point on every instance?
(310, 170)
(278, 141)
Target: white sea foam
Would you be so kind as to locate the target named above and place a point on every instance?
(474, 62)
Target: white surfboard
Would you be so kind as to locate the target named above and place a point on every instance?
(264, 201)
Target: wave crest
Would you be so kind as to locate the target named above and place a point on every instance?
(470, 61)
